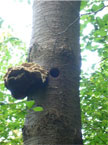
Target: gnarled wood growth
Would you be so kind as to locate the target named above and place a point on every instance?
(21, 80)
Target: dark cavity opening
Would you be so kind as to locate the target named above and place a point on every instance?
(54, 72)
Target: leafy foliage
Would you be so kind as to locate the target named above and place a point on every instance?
(94, 86)
(11, 112)
(93, 90)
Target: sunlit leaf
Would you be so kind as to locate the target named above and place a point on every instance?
(30, 104)
(38, 109)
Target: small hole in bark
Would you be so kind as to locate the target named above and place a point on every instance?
(54, 72)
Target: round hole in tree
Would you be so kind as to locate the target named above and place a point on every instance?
(54, 72)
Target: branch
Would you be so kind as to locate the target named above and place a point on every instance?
(95, 11)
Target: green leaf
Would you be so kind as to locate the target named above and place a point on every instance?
(83, 4)
(38, 109)
(105, 18)
(30, 104)
(97, 7)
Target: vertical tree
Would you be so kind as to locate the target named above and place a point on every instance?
(55, 46)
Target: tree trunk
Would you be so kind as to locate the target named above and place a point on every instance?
(55, 46)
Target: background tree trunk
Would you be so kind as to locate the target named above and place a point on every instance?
(55, 46)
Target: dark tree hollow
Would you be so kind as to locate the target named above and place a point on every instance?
(54, 72)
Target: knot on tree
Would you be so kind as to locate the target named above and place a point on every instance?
(22, 79)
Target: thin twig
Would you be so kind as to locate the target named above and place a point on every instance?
(95, 11)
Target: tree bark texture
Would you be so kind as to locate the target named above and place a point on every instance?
(55, 46)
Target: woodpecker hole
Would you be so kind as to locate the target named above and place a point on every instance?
(54, 72)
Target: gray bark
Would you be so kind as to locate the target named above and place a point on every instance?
(55, 46)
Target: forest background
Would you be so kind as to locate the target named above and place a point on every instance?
(15, 32)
